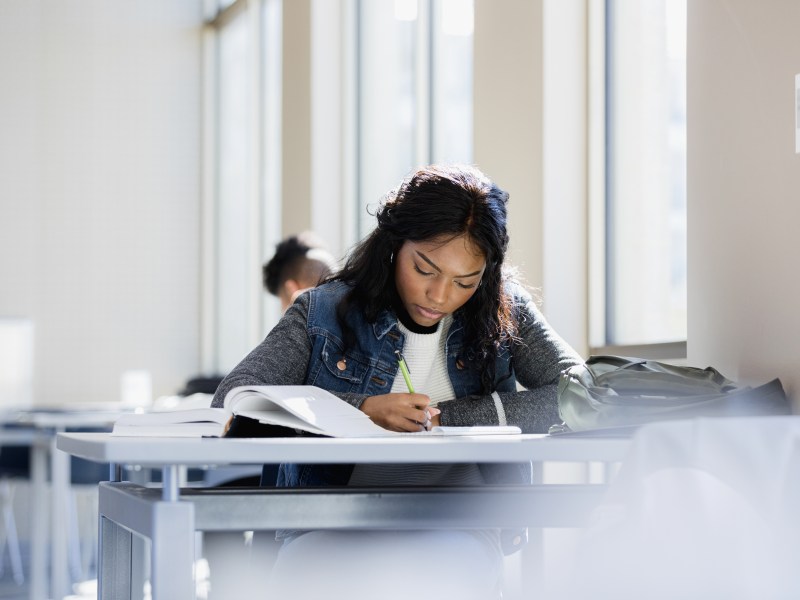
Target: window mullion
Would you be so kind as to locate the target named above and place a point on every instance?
(255, 156)
(596, 195)
(423, 82)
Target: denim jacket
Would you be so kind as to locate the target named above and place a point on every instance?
(370, 368)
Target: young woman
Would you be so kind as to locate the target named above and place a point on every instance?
(430, 283)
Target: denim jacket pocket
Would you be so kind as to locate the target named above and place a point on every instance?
(339, 371)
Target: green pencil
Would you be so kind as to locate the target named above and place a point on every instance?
(404, 370)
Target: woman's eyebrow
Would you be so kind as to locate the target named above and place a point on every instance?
(432, 264)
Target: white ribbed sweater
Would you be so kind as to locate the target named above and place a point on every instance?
(425, 357)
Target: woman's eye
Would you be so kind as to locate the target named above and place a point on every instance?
(420, 271)
(465, 286)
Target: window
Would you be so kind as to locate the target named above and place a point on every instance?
(414, 97)
(644, 241)
(451, 93)
(233, 302)
(242, 213)
(406, 100)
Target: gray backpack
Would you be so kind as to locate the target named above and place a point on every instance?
(618, 391)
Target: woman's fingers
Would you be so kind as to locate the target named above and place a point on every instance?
(400, 412)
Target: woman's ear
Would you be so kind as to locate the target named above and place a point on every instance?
(290, 286)
(288, 293)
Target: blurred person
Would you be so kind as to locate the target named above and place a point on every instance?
(300, 262)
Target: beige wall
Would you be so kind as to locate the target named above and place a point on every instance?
(313, 121)
(508, 118)
(296, 117)
(99, 190)
(530, 121)
(744, 188)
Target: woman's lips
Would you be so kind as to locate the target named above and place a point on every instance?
(429, 313)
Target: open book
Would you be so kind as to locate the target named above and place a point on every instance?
(283, 410)
(186, 417)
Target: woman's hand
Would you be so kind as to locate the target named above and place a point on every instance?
(400, 412)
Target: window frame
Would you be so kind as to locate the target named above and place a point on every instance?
(425, 87)
(598, 201)
(263, 171)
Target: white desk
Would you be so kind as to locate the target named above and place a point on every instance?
(38, 444)
(38, 429)
(169, 516)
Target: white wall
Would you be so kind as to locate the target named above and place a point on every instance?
(99, 189)
(744, 189)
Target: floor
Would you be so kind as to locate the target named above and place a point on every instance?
(230, 554)
(11, 591)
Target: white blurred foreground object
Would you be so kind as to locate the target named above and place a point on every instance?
(136, 388)
(367, 565)
(16, 362)
(705, 508)
(87, 590)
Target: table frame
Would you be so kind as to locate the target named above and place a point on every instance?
(169, 516)
(37, 429)
(39, 446)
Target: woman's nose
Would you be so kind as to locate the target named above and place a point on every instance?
(437, 291)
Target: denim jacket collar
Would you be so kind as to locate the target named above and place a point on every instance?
(385, 322)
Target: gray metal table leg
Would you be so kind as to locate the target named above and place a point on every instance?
(114, 569)
(170, 527)
(39, 520)
(532, 558)
(60, 467)
(172, 551)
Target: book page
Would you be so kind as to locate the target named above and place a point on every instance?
(318, 411)
(302, 407)
(190, 422)
(193, 429)
(167, 417)
(445, 430)
(476, 430)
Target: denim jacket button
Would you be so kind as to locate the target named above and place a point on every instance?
(460, 364)
(341, 365)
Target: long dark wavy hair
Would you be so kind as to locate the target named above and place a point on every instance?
(438, 202)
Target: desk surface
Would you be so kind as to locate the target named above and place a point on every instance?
(160, 451)
(22, 436)
(59, 418)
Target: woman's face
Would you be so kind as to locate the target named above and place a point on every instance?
(436, 277)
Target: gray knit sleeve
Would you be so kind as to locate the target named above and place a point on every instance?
(539, 357)
(281, 359)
